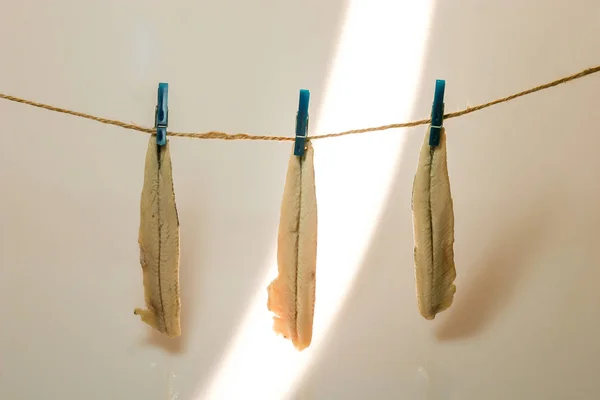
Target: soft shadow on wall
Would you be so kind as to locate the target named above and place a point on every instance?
(509, 177)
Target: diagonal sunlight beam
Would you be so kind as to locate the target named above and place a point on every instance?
(379, 59)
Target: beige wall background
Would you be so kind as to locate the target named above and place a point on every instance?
(525, 178)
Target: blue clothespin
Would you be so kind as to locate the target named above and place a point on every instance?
(161, 118)
(301, 123)
(437, 113)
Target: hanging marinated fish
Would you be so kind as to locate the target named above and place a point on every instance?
(291, 296)
(159, 243)
(433, 223)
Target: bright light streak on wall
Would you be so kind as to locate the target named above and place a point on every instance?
(373, 82)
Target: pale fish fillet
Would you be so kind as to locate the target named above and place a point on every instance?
(292, 293)
(433, 224)
(159, 243)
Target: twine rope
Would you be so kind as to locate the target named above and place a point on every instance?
(246, 136)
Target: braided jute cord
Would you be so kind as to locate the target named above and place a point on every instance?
(245, 136)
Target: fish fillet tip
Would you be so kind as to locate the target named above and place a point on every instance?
(431, 312)
(428, 315)
(281, 326)
(301, 345)
(149, 319)
(173, 334)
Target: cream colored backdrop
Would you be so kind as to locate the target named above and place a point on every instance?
(525, 178)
